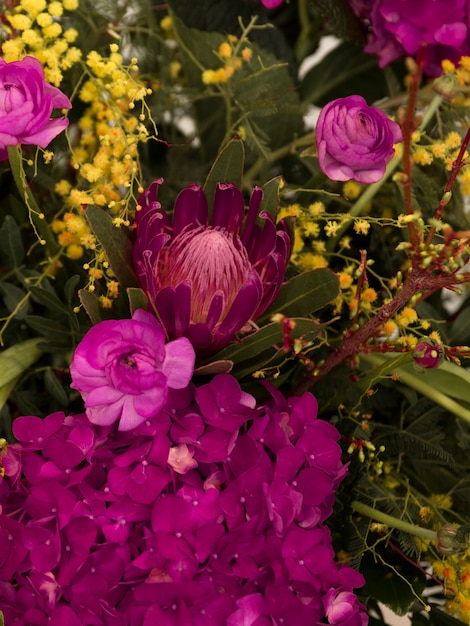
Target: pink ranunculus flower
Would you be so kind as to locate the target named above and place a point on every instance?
(355, 141)
(123, 369)
(26, 105)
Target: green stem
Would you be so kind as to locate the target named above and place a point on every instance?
(39, 224)
(393, 522)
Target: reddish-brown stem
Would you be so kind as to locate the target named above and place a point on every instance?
(456, 167)
(408, 127)
(419, 280)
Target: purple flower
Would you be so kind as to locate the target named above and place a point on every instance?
(123, 369)
(355, 141)
(342, 608)
(399, 27)
(26, 104)
(428, 353)
(208, 279)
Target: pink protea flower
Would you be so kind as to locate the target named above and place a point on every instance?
(207, 278)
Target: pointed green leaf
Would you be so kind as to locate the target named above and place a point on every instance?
(91, 305)
(306, 293)
(15, 360)
(116, 244)
(270, 202)
(137, 299)
(70, 289)
(216, 367)
(227, 168)
(11, 243)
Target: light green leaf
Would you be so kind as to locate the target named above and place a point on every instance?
(116, 244)
(442, 385)
(15, 360)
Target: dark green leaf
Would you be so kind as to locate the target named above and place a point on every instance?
(330, 78)
(48, 328)
(137, 299)
(227, 168)
(12, 297)
(11, 243)
(50, 300)
(70, 288)
(116, 244)
(305, 293)
(438, 617)
(396, 589)
(55, 388)
(91, 304)
(260, 348)
(460, 329)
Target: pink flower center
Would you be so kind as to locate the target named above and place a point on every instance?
(212, 259)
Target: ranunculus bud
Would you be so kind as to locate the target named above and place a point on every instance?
(355, 141)
(428, 353)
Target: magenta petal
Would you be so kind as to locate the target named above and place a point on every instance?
(243, 306)
(191, 209)
(229, 207)
(178, 365)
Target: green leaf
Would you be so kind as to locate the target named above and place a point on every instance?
(70, 288)
(260, 348)
(15, 360)
(54, 387)
(116, 244)
(460, 329)
(91, 304)
(11, 243)
(215, 367)
(227, 168)
(48, 328)
(441, 385)
(306, 293)
(270, 201)
(50, 301)
(13, 296)
(137, 299)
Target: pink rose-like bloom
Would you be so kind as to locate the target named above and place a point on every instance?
(399, 27)
(123, 369)
(26, 105)
(355, 141)
(271, 4)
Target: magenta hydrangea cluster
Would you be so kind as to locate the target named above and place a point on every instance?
(211, 511)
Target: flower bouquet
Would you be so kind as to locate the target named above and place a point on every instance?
(234, 246)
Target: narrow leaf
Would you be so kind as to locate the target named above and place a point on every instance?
(48, 328)
(55, 388)
(49, 300)
(116, 244)
(137, 299)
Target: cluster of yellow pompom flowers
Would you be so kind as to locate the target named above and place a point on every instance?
(34, 27)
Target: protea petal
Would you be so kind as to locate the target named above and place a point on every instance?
(229, 207)
(207, 280)
(190, 209)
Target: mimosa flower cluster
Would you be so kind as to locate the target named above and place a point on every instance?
(212, 510)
